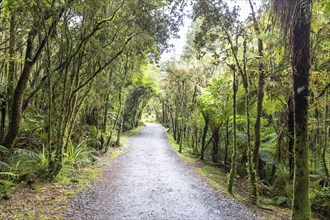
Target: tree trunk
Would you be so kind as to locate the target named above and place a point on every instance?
(30, 59)
(291, 135)
(163, 119)
(17, 101)
(326, 133)
(206, 125)
(173, 127)
(301, 208)
(180, 138)
(104, 147)
(234, 155)
(253, 190)
(226, 144)
(11, 64)
(260, 95)
(215, 144)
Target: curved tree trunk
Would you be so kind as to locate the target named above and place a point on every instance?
(17, 101)
(29, 60)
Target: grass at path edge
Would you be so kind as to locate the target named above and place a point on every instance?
(217, 179)
(49, 200)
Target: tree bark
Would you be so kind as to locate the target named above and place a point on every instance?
(226, 144)
(234, 155)
(215, 144)
(30, 60)
(17, 101)
(11, 64)
(301, 208)
(261, 84)
(291, 135)
(326, 132)
(206, 125)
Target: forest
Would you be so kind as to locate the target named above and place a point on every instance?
(249, 97)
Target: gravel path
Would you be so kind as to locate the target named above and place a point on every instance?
(150, 182)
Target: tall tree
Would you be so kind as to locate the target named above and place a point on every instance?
(295, 17)
(260, 91)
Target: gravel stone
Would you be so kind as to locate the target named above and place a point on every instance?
(150, 181)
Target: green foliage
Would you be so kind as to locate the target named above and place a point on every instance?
(3, 165)
(7, 182)
(29, 165)
(5, 186)
(7, 177)
(282, 201)
(214, 100)
(268, 156)
(320, 200)
(282, 189)
(78, 155)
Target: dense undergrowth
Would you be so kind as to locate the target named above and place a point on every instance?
(275, 200)
(35, 198)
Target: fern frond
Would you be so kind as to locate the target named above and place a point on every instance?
(3, 149)
(268, 155)
(4, 166)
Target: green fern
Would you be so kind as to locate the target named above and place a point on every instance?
(282, 201)
(6, 182)
(3, 149)
(28, 164)
(79, 154)
(320, 199)
(25, 153)
(268, 156)
(282, 189)
(4, 166)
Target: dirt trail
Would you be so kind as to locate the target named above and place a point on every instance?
(150, 182)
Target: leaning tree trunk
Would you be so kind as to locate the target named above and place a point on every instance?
(301, 208)
(31, 58)
(17, 101)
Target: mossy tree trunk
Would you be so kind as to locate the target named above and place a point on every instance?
(215, 143)
(226, 144)
(261, 83)
(301, 65)
(206, 125)
(291, 135)
(17, 101)
(234, 155)
(32, 55)
(326, 131)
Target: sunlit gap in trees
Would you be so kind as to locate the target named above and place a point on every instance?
(174, 53)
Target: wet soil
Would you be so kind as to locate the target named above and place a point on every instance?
(149, 181)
